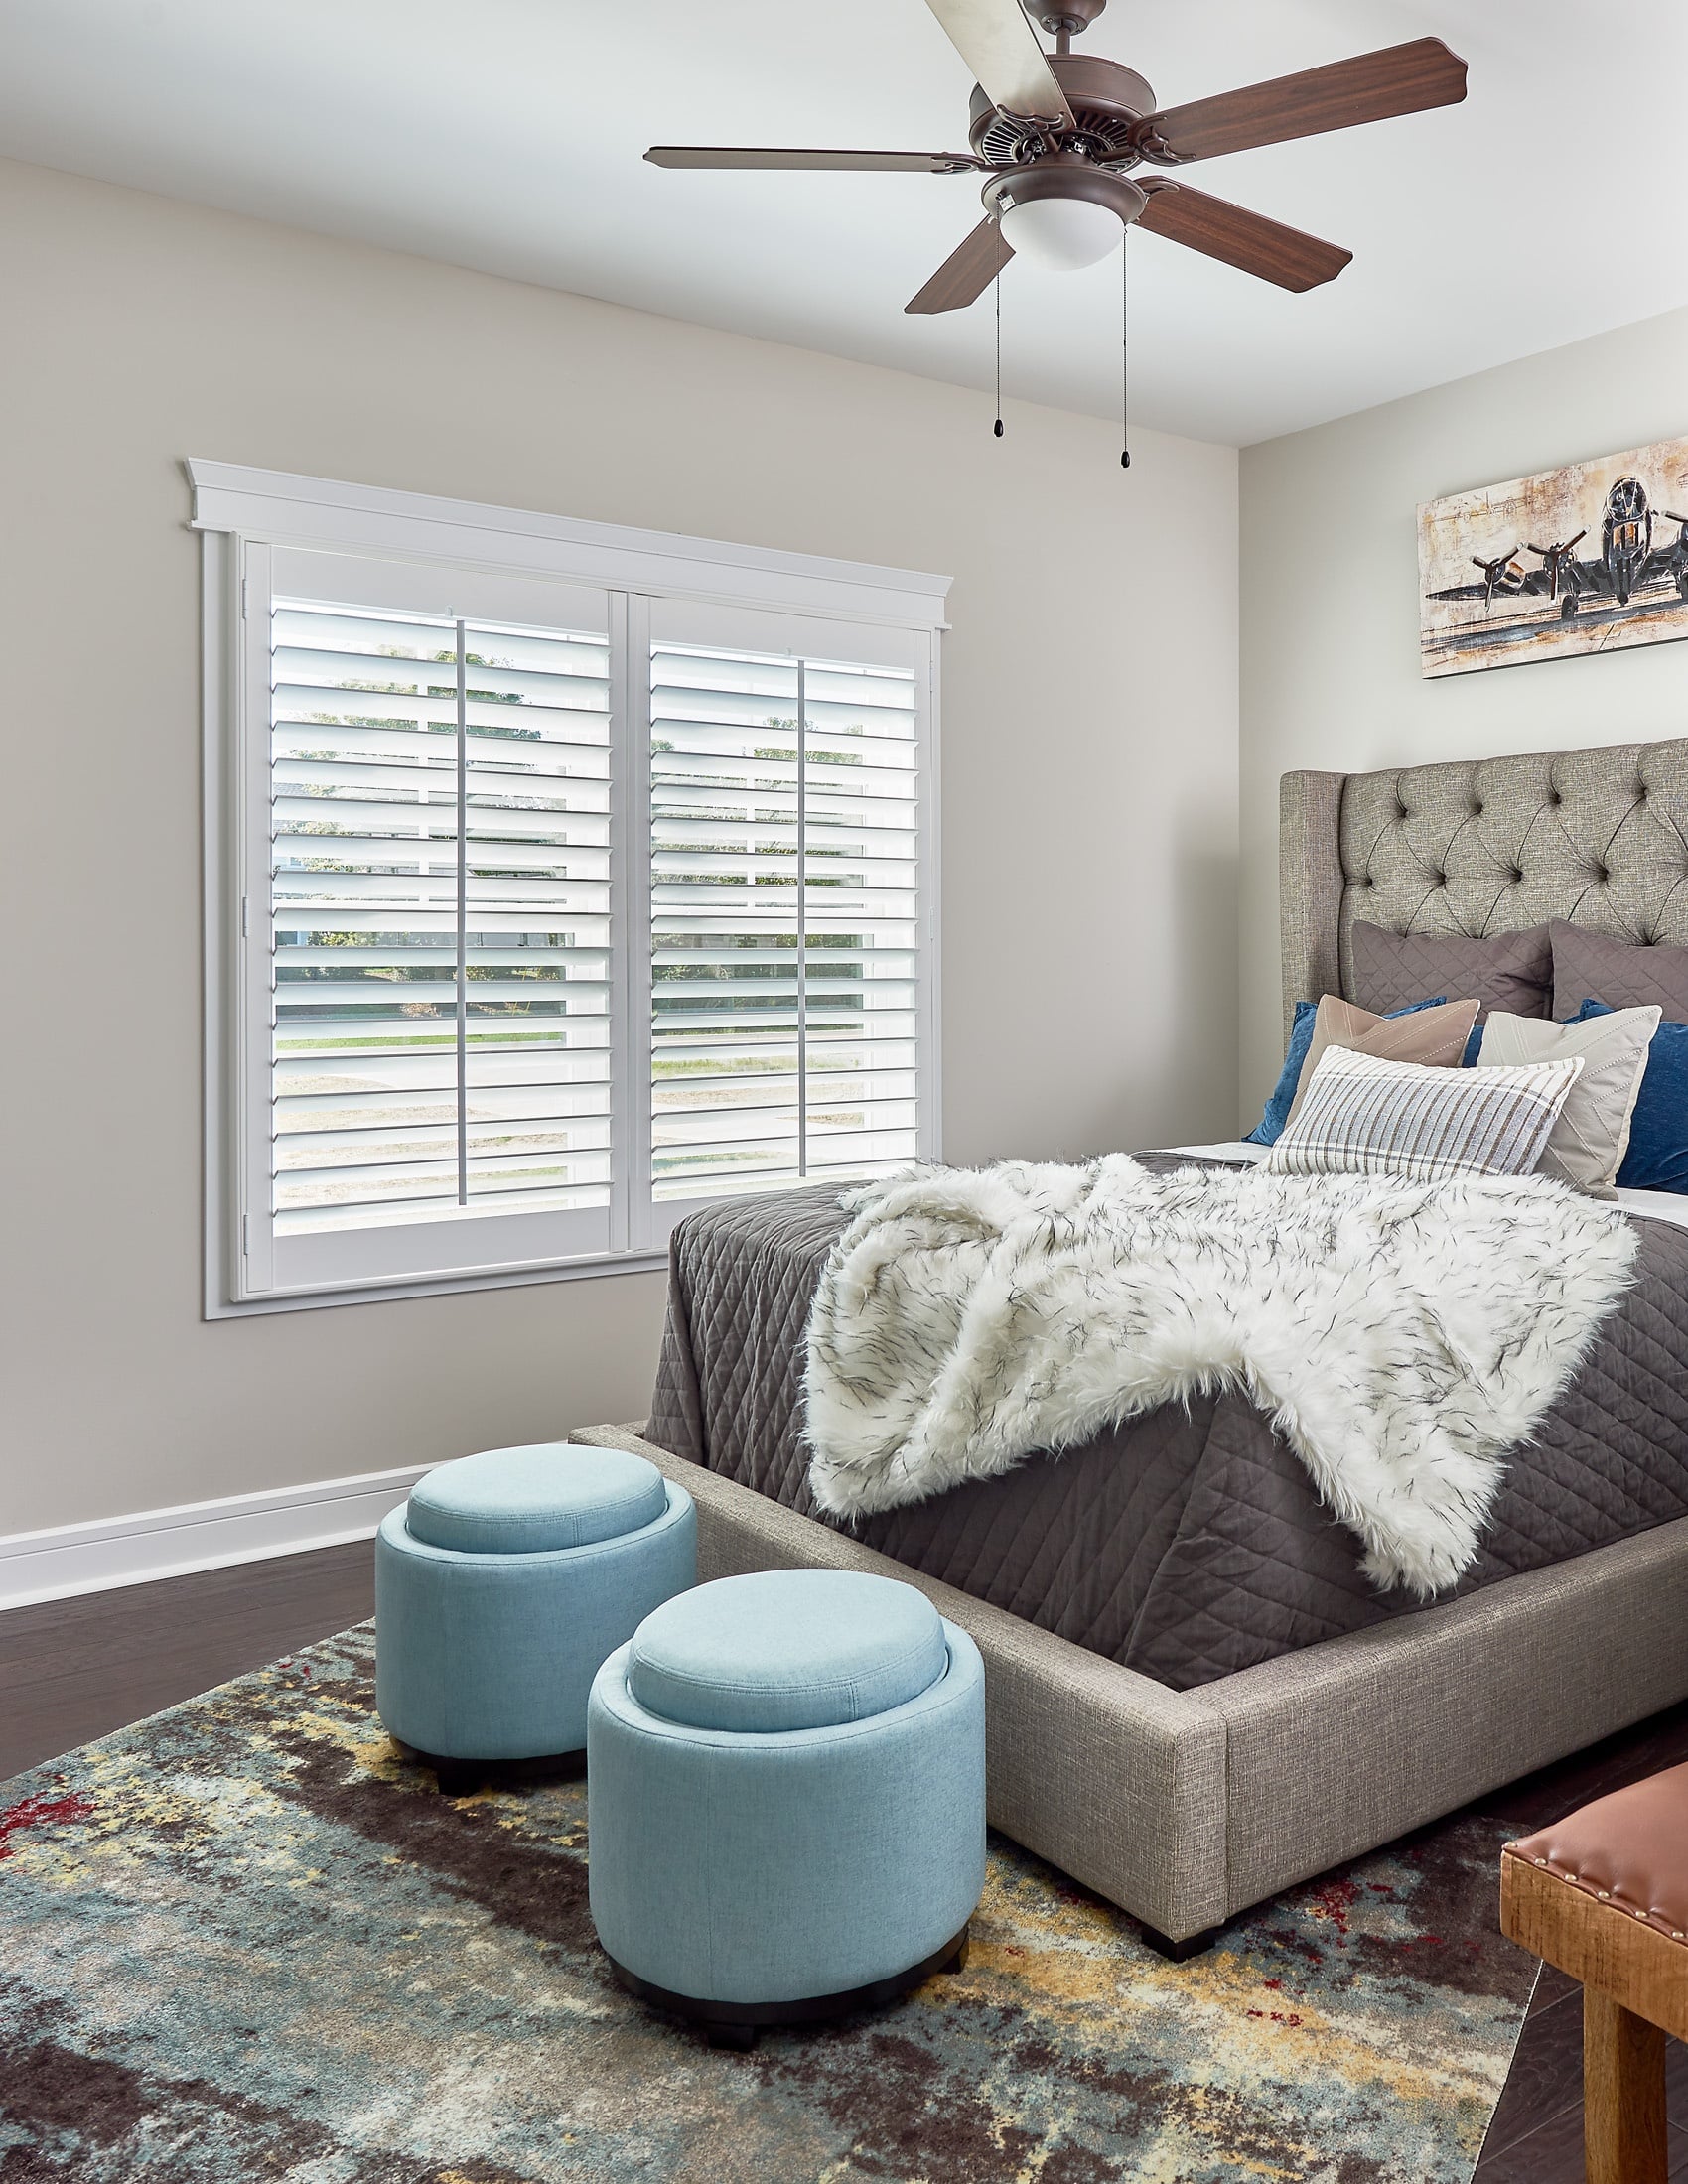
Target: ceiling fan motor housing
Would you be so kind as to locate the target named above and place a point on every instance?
(1106, 97)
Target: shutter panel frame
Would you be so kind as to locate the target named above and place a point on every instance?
(742, 792)
(374, 1166)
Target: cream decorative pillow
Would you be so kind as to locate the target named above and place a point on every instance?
(1435, 1036)
(1592, 1135)
(1366, 1117)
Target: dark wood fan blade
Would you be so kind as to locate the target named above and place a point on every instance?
(999, 45)
(1373, 86)
(750, 155)
(1248, 240)
(966, 273)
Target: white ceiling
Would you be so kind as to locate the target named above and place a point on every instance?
(506, 135)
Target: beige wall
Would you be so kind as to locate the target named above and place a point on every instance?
(1088, 816)
(1329, 602)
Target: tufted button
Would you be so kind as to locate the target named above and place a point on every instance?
(1477, 811)
(1554, 797)
(1517, 875)
(1602, 875)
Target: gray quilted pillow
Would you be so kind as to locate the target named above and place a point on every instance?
(1595, 967)
(1508, 971)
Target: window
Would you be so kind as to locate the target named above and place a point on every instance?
(560, 879)
(784, 924)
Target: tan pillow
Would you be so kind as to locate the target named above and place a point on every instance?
(1434, 1037)
(1592, 1135)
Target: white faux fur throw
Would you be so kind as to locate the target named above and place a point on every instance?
(1401, 1337)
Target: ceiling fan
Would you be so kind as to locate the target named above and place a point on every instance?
(1058, 135)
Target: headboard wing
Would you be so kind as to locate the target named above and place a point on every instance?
(1483, 846)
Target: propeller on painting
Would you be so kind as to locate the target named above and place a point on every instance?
(1503, 574)
(1058, 135)
(1557, 560)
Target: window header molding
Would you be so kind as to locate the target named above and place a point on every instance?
(284, 509)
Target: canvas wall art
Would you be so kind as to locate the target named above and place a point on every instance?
(1584, 559)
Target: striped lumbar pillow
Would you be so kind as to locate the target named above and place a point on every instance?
(1364, 1116)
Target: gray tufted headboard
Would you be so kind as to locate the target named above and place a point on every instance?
(1483, 846)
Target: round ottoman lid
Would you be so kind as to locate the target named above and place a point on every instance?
(786, 1649)
(528, 1501)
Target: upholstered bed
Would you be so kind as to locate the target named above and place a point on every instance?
(1187, 1543)
(1196, 1698)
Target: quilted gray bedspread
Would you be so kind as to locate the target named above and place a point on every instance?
(1184, 1544)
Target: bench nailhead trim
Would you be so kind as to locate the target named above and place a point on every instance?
(1605, 1895)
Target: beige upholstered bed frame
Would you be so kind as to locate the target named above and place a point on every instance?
(1186, 1807)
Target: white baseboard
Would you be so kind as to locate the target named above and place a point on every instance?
(170, 1543)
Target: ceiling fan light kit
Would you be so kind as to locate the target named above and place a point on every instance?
(1063, 214)
(1057, 136)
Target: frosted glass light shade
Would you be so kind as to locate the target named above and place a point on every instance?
(1061, 233)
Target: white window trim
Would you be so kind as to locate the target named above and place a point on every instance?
(237, 508)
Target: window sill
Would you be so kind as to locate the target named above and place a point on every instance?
(653, 1261)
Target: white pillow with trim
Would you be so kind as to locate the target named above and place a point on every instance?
(1592, 1135)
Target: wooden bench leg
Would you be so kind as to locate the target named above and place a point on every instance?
(1623, 2121)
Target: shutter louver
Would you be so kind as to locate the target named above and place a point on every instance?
(428, 1064)
(784, 921)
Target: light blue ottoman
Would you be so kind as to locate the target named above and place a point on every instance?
(785, 1791)
(503, 1584)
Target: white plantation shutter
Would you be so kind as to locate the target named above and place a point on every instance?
(438, 927)
(784, 838)
(555, 903)
(537, 919)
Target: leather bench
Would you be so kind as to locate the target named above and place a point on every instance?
(1604, 1895)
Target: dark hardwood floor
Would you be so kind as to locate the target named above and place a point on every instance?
(72, 1670)
(75, 1670)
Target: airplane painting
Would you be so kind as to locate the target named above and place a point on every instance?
(1585, 559)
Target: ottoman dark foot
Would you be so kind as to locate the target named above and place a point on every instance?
(456, 1777)
(736, 2024)
(463, 1777)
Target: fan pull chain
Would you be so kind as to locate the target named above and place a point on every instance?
(1125, 352)
(997, 427)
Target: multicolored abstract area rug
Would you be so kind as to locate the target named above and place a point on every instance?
(244, 1940)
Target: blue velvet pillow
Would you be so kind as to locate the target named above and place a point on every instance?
(1658, 1159)
(1270, 1128)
